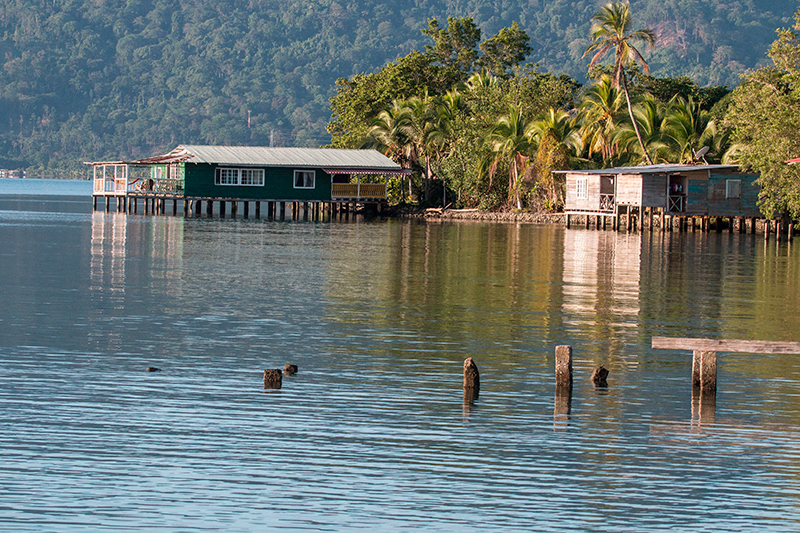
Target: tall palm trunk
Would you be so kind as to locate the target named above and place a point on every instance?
(633, 118)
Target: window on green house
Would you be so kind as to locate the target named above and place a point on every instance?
(303, 179)
(239, 176)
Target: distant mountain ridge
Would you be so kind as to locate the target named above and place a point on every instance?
(86, 80)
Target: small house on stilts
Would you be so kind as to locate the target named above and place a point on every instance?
(311, 179)
(679, 194)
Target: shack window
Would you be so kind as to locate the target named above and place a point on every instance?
(733, 188)
(303, 179)
(251, 176)
(583, 188)
(240, 176)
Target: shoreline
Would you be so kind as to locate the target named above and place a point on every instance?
(475, 214)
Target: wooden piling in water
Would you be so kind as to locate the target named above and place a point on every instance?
(472, 378)
(564, 366)
(600, 376)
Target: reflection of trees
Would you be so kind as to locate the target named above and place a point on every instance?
(484, 287)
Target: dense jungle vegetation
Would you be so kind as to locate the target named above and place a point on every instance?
(86, 80)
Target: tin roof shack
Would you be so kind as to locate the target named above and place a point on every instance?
(681, 190)
(249, 173)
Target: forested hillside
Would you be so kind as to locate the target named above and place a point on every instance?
(84, 80)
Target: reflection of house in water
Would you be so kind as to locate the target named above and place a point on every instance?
(107, 269)
(157, 246)
(601, 281)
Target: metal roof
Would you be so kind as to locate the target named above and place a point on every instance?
(328, 158)
(649, 169)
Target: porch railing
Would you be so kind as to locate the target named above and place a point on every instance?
(358, 190)
(607, 202)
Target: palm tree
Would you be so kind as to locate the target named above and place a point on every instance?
(651, 115)
(558, 140)
(510, 139)
(426, 133)
(600, 115)
(689, 127)
(389, 133)
(611, 31)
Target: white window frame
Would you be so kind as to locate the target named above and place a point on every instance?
(733, 189)
(307, 183)
(243, 177)
(582, 188)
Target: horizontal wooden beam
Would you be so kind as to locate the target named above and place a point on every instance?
(735, 346)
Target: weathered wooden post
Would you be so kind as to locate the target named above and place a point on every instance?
(289, 369)
(472, 381)
(564, 366)
(599, 376)
(222, 209)
(246, 210)
(258, 209)
(272, 378)
(563, 396)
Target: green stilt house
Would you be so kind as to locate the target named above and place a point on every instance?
(243, 174)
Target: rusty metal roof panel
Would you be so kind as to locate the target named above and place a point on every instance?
(329, 158)
(649, 169)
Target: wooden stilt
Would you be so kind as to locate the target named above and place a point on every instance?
(586, 222)
(564, 366)
(567, 217)
(283, 210)
(258, 209)
(640, 219)
(663, 222)
(246, 210)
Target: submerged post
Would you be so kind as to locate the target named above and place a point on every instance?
(564, 366)
(472, 381)
(563, 395)
(272, 378)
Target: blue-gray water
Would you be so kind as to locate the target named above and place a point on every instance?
(373, 433)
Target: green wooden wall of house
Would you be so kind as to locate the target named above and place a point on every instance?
(746, 205)
(199, 181)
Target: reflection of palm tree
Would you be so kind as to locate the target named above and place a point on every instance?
(510, 139)
(611, 30)
(600, 116)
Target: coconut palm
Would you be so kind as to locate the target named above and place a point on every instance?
(600, 115)
(651, 116)
(689, 127)
(611, 30)
(510, 139)
(558, 140)
(389, 133)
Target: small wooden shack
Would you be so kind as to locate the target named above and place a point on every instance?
(684, 191)
(193, 174)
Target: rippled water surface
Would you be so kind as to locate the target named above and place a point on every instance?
(373, 432)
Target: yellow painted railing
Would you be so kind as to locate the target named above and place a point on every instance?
(356, 190)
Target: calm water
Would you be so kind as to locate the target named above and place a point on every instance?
(372, 433)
